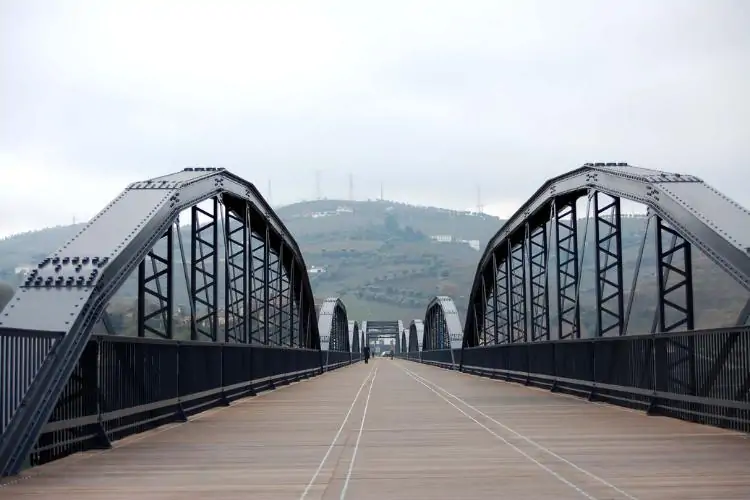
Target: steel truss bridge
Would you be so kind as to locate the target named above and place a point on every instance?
(223, 309)
(524, 317)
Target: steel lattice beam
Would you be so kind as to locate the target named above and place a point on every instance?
(675, 280)
(237, 277)
(566, 236)
(505, 316)
(259, 289)
(517, 286)
(155, 281)
(539, 292)
(486, 325)
(204, 257)
(608, 266)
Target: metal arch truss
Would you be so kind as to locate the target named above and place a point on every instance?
(333, 326)
(541, 249)
(236, 242)
(363, 334)
(401, 340)
(354, 336)
(416, 335)
(442, 326)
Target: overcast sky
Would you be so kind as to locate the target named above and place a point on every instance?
(428, 97)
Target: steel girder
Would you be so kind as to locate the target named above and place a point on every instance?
(566, 240)
(416, 335)
(354, 336)
(363, 333)
(333, 326)
(517, 259)
(264, 275)
(442, 325)
(401, 339)
(384, 329)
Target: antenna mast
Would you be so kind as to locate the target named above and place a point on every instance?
(381, 192)
(269, 192)
(351, 187)
(480, 207)
(317, 184)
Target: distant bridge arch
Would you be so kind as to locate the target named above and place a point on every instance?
(333, 325)
(442, 325)
(354, 336)
(416, 335)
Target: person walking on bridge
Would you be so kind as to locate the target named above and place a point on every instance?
(366, 352)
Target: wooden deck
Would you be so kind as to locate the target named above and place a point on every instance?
(413, 432)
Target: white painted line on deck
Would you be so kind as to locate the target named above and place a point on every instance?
(583, 400)
(521, 436)
(498, 436)
(359, 437)
(336, 437)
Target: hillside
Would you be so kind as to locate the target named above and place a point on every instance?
(384, 260)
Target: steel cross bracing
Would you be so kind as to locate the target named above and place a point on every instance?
(517, 285)
(155, 279)
(538, 264)
(608, 265)
(244, 277)
(488, 333)
(204, 256)
(566, 239)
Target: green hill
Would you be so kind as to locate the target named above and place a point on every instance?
(385, 261)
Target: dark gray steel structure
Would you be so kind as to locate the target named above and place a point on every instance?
(354, 336)
(416, 335)
(376, 329)
(515, 269)
(333, 325)
(512, 329)
(59, 381)
(442, 325)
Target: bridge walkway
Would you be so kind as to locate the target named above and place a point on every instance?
(427, 433)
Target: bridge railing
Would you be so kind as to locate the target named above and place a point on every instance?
(336, 359)
(641, 371)
(125, 385)
(437, 357)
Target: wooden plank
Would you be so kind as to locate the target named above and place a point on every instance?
(494, 440)
(607, 451)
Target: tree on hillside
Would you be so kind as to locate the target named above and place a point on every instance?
(391, 224)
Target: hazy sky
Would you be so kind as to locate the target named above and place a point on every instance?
(429, 97)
